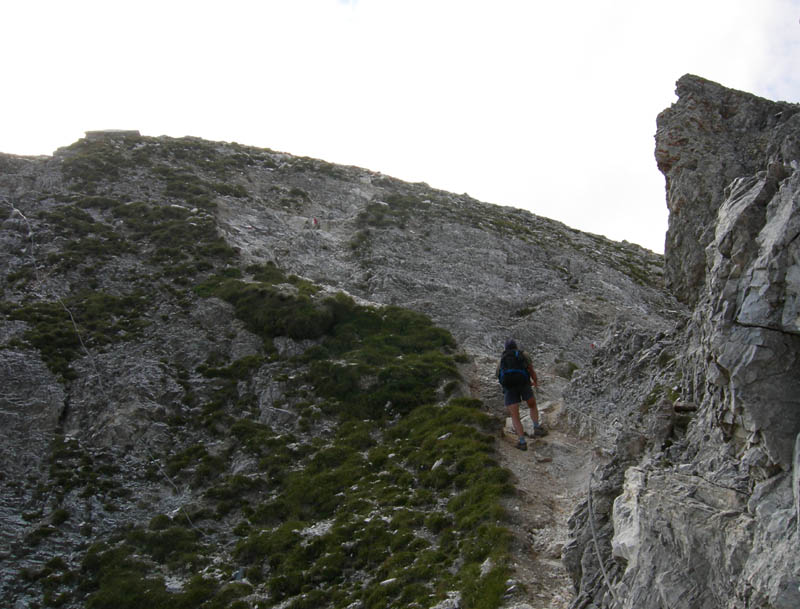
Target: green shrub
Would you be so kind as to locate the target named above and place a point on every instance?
(101, 203)
(230, 190)
(483, 592)
(270, 312)
(59, 516)
(313, 599)
(175, 545)
(72, 221)
(60, 330)
(267, 273)
(371, 468)
(21, 276)
(234, 487)
(401, 351)
(272, 546)
(196, 457)
(160, 522)
(356, 435)
(185, 185)
(112, 578)
(175, 233)
(90, 163)
(241, 369)
(395, 211)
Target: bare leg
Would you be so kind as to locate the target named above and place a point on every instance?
(515, 422)
(533, 409)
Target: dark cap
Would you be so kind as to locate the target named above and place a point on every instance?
(511, 344)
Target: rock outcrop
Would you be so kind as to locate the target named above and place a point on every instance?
(712, 136)
(710, 517)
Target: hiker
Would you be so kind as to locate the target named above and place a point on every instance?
(517, 377)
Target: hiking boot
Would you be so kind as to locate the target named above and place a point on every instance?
(522, 444)
(539, 431)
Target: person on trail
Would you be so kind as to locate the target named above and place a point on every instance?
(516, 375)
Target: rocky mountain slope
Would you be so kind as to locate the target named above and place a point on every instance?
(203, 405)
(222, 386)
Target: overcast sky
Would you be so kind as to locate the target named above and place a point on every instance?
(547, 106)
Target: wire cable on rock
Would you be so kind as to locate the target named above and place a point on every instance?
(16, 211)
(597, 545)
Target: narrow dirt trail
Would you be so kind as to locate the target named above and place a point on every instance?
(551, 478)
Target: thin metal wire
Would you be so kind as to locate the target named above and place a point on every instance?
(597, 545)
(101, 384)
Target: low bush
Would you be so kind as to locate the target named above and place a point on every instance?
(60, 330)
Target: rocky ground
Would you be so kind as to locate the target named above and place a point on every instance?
(551, 478)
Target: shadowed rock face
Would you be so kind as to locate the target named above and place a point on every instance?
(746, 325)
(708, 138)
(749, 314)
(710, 517)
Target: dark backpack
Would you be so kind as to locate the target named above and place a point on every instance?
(513, 371)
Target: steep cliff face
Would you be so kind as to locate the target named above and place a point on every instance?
(745, 367)
(710, 137)
(709, 518)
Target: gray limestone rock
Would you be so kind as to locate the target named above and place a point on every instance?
(796, 481)
(711, 136)
(706, 517)
(749, 313)
(32, 402)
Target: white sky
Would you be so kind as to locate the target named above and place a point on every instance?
(548, 106)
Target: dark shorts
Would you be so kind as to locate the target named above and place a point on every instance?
(515, 395)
